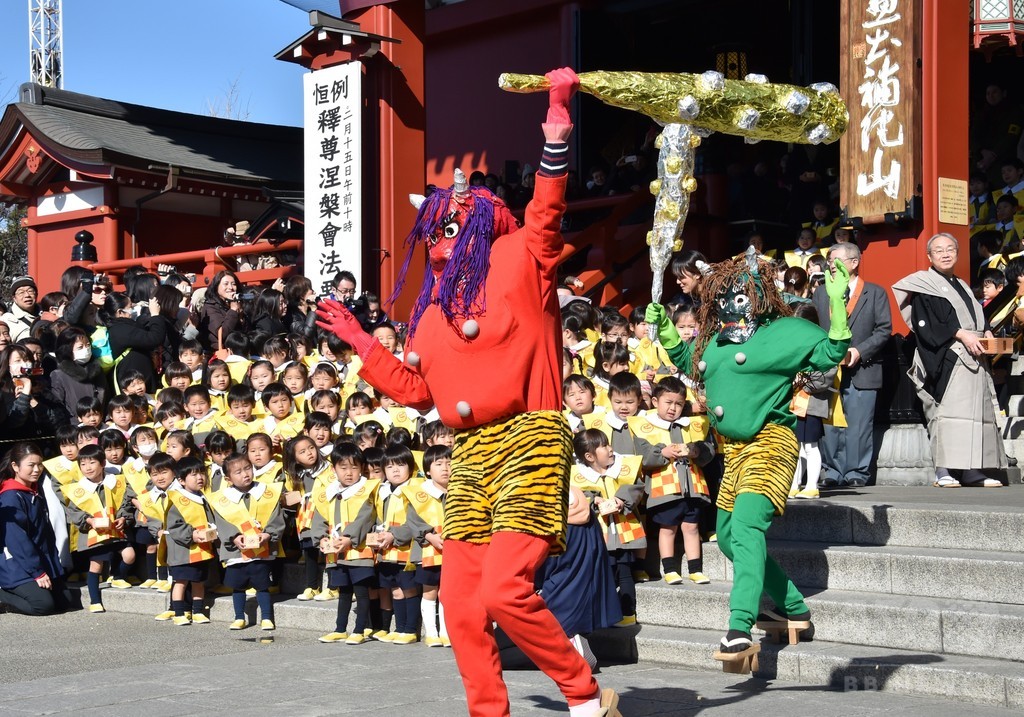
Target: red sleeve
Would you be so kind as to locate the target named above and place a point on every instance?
(382, 370)
(543, 221)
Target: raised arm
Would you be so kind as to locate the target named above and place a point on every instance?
(543, 219)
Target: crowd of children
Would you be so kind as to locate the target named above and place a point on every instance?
(264, 455)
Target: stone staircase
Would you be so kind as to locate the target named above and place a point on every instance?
(912, 590)
(915, 590)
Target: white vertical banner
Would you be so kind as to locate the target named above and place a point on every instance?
(333, 174)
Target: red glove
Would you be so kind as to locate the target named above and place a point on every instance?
(564, 83)
(339, 321)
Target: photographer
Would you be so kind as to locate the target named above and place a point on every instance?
(220, 310)
(345, 293)
(26, 411)
(300, 316)
(88, 291)
(134, 340)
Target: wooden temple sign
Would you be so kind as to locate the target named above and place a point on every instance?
(879, 80)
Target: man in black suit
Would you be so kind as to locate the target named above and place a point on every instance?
(846, 452)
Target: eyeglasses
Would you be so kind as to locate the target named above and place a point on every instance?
(100, 290)
(943, 252)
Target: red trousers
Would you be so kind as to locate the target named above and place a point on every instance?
(485, 583)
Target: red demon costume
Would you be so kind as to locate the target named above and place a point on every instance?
(484, 347)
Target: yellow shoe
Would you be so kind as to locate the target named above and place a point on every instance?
(641, 576)
(181, 620)
(699, 578)
(334, 637)
(810, 494)
(251, 592)
(673, 578)
(309, 594)
(164, 616)
(147, 584)
(199, 618)
(222, 590)
(97, 607)
(119, 584)
(446, 641)
(793, 492)
(433, 642)
(384, 636)
(162, 586)
(266, 624)
(368, 633)
(326, 595)
(274, 590)
(626, 621)
(356, 639)
(405, 638)
(713, 538)
(238, 624)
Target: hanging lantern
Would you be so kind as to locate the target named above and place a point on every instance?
(731, 63)
(998, 23)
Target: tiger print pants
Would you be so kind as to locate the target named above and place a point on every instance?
(511, 475)
(504, 514)
(758, 474)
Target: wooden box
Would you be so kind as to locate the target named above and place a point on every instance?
(997, 345)
(250, 541)
(373, 540)
(207, 534)
(101, 524)
(607, 507)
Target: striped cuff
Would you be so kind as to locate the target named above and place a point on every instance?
(554, 162)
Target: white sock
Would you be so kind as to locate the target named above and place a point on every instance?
(428, 611)
(440, 620)
(813, 455)
(799, 472)
(587, 709)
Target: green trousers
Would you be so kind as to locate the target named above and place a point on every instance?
(741, 537)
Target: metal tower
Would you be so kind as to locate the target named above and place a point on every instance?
(46, 43)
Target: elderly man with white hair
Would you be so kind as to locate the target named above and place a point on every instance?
(952, 376)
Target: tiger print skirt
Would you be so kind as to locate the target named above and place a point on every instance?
(511, 475)
(764, 465)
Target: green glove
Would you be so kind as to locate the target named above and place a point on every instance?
(837, 282)
(667, 333)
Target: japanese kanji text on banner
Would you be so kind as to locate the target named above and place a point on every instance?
(333, 170)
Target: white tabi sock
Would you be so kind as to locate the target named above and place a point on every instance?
(428, 611)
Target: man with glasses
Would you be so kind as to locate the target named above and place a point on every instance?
(950, 372)
(24, 311)
(345, 294)
(846, 452)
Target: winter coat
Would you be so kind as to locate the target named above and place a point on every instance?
(299, 323)
(72, 381)
(215, 315)
(20, 421)
(269, 324)
(140, 337)
(30, 549)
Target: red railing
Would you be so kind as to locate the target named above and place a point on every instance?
(205, 263)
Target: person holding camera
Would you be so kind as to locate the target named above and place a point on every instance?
(300, 314)
(133, 340)
(221, 310)
(26, 410)
(358, 304)
(87, 291)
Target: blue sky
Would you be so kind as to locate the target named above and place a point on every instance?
(175, 54)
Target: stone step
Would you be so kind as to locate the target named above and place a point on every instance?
(975, 680)
(978, 680)
(981, 522)
(984, 576)
(946, 626)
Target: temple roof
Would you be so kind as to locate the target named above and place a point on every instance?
(94, 136)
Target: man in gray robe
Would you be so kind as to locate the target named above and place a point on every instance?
(951, 374)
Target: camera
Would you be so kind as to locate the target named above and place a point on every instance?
(36, 370)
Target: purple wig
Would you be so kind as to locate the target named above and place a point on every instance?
(460, 286)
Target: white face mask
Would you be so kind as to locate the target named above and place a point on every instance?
(83, 355)
(147, 449)
(21, 369)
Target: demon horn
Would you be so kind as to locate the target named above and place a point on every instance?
(417, 200)
(461, 185)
